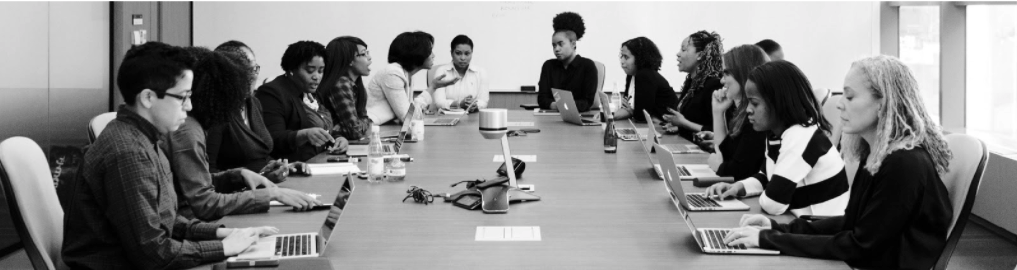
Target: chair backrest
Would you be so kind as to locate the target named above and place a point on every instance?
(970, 156)
(35, 209)
(99, 123)
(832, 115)
(822, 95)
(601, 71)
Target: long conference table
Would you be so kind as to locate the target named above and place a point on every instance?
(597, 210)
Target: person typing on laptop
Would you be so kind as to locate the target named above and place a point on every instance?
(899, 211)
(804, 173)
(121, 211)
(567, 71)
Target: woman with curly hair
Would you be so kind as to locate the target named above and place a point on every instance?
(645, 88)
(899, 211)
(700, 57)
(298, 123)
(220, 88)
(567, 71)
(342, 88)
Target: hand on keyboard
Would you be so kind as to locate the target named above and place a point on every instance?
(748, 236)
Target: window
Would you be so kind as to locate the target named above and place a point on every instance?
(919, 49)
(992, 70)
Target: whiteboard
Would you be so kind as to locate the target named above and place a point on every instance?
(513, 39)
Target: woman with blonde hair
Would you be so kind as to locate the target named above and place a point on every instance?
(899, 210)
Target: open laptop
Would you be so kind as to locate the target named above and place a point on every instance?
(675, 148)
(686, 172)
(569, 112)
(301, 245)
(711, 240)
(692, 201)
(401, 136)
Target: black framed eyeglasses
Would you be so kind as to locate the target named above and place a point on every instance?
(183, 98)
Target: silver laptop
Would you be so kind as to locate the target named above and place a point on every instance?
(686, 172)
(675, 148)
(569, 112)
(711, 240)
(692, 201)
(401, 136)
(300, 245)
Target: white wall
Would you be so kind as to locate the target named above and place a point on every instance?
(513, 38)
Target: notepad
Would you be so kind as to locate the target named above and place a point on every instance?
(498, 233)
(524, 158)
(333, 168)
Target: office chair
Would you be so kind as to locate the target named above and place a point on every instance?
(822, 95)
(970, 157)
(601, 71)
(832, 115)
(99, 123)
(35, 209)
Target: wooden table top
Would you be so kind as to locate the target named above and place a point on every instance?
(597, 210)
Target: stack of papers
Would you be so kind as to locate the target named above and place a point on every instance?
(333, 168)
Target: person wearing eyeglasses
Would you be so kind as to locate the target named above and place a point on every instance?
(121, 213)
(470, 92)
(342, 88)
(294, 116)
(645, 88)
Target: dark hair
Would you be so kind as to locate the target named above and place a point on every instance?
(155, 66)
(237, 47)
(301, 52)
(222, 83)
(569, 22)
(709, 48)
(740, 61)
(341, 51)
(411, 49)
(646, 53)
(768, 45)
(788, 94)
(461, 39)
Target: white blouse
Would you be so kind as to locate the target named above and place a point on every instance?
(473, 83)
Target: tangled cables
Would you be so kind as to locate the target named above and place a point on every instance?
(419, 195)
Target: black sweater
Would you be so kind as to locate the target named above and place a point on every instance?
(897, 219)
(699, 107)
(653, 93)
(580, 79)
(744, 154)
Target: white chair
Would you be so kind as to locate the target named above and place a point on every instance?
(601, 71)
(99, 123)
(35, 208)
(970, 156)
(832, 115)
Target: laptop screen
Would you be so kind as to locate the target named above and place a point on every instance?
(337, 210)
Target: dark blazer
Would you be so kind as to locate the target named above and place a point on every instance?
(653, 93)
(235, 144)
(283, 113)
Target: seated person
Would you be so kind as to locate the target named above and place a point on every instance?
(645, 88)
(221, 87)
(390, 92)
(804, 173)
(740, 149)
(471, 88)
(342, 89)
(567, 71)
(772, 49)
(297, 121)
(122, 211)
(700, 57)
(899, 211)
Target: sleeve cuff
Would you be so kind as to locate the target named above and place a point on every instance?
(211, 251)
(766, 239)
(205, 231)
(262, 198)
(752, 187)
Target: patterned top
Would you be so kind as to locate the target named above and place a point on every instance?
(122, 210)
(348, 106)
(803, 173)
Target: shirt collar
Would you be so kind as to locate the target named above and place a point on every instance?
(452, 67)
(132, 118)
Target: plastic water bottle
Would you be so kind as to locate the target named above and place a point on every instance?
(616, 99)
(417, 124)
(396, 168)
(610, 137)
(375, 157)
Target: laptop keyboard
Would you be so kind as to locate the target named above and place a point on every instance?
(715, 240)
(682, 171)
(697, 200)
(626, 131)
(293, 245)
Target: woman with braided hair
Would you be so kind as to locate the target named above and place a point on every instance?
(701, 58)
(568, 71)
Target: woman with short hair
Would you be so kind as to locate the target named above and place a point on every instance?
(390, 92)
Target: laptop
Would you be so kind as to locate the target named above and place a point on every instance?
(711, 240)
(401, 136)
(686, 172)
(300, 245)
(675, 148)
(692, 201)
(569, 112)
(441, 121)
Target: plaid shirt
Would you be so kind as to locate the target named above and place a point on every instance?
(350, 120)
(121, 212)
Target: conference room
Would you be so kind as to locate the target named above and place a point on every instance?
(378, 135)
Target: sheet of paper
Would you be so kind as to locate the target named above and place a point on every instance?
(524, 158)
(515, 233)
(333, 168)
(520, 124)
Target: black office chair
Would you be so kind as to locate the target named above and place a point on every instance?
(970, 156)
(35, 209)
